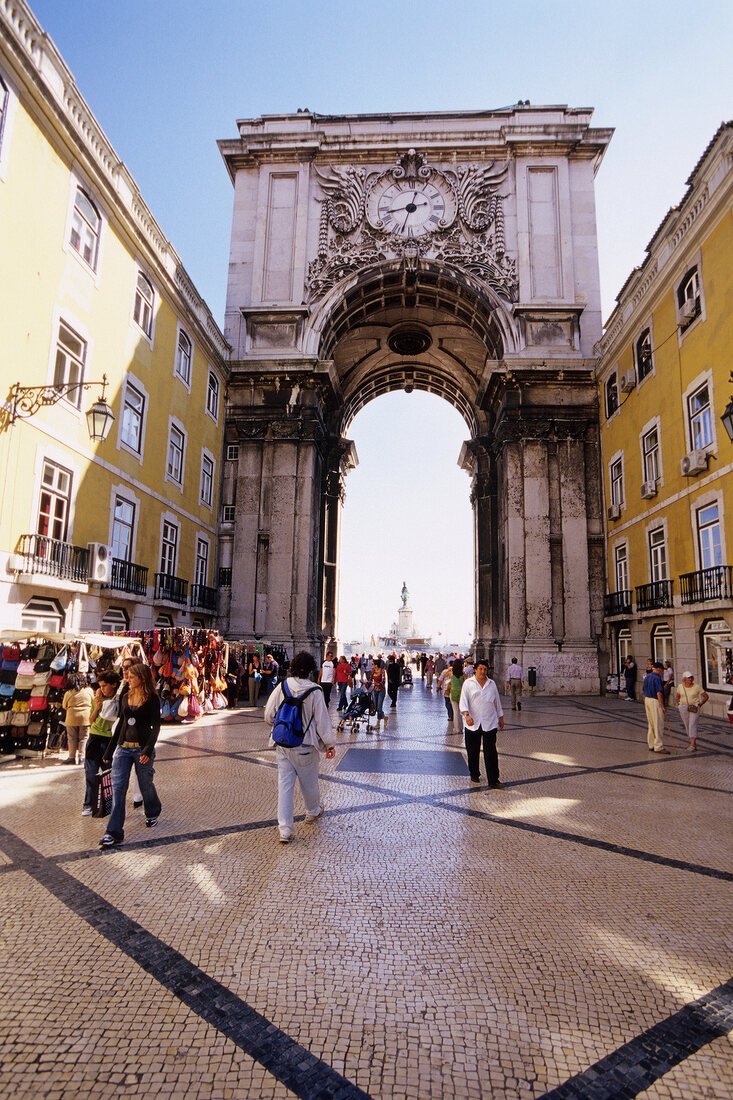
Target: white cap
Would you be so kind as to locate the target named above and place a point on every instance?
(687, 676)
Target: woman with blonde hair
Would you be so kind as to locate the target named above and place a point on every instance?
(133, 745)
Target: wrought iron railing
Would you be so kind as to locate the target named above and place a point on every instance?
(707, 584)
(203, 598)
(225, 577)
(167, 587)
(617, 603)
(128, 577)
(650, 597)
(52, 558)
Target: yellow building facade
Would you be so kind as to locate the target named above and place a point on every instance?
(664, 366)
(118, 534)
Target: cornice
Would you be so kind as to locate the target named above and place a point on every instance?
(49, 83)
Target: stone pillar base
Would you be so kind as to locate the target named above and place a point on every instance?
(573, 670)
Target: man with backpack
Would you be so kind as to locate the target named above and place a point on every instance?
(301, 730)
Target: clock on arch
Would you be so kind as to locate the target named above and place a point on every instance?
(412, 207)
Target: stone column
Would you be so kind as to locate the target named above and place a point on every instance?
(341, 458)
(476, 460)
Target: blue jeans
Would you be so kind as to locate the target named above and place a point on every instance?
(123, 762)
(379, 703)
(342, 695)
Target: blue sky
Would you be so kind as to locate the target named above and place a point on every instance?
(167, 79)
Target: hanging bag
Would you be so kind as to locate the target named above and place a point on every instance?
(26, 668)
(691, 708)
(83, 658)
(102, 794)
(42, 679)
(58, 664)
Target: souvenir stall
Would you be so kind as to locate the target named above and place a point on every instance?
(33, 674)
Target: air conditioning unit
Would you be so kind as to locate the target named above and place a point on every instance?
(694, 463)
(614, 511)
(649, 490)
(689, 309)
(100, 562)
(628, 381)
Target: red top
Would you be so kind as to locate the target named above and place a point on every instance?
(343, 672)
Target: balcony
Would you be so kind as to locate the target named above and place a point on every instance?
(225, 577)
(707, 584)
(651, 597)
(42, 556)
(128, 577)
(169, 588)
(617, 603)
(203, 598)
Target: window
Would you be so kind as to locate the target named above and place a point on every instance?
(176, 445)
(617, 482)
(184, 355)
(662, 643)
(143, 310)
(4, 98)
(163, 622)
(212, 396)
(657, 555)
(42, 614)
(133, 411)
(227, 514)
(718, 654)
(708, 537)
(698, 411)
(621, 567)
(650, 452)
(169, 549)
(688, 291)
(232, 452)
(123, 526)
(115, 621)
(85, 227)
(643, 354)
(69, 365)
(207, 479)
(53, 506)
(623, 647)
(611, 395)
(201, 571)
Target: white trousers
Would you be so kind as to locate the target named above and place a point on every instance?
(689, 721)
(299, 763)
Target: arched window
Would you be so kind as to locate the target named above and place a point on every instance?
(623, 647)
(163, 622)
(42, 614)
(662, 643)
(85, 226)
(143, 312)
(115, 621)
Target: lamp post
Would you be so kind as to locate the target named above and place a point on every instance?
(727, 416)
(27, 400)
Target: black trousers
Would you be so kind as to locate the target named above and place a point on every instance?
(473, 752)
(327, 692)
(392, 690)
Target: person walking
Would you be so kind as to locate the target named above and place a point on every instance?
(133, 746)
(326, 677)
(481, 708)
(653, 692)
(690, 698)
(429, 670)
(394, 679)
(344, 680)
(103, 717)
(515, 683)
(78, 702)
(301, 762)
(457, 681)
(630, 678)
(378, 690)
(444, 688)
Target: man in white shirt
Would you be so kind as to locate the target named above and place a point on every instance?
(326, 676)
(515, 683)
(482, 713)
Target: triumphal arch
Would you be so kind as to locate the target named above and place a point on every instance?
(448, 252)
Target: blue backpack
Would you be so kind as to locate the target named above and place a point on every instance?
(288, 729)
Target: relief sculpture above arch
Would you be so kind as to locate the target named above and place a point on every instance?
(411, 211)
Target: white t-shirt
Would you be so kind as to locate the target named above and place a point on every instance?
(327, 673)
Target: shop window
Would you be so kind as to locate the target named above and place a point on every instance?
(643, 354)
(85, 228)
(43, 615)
(611, 395)
(143, 308)
(718, 654)
(700, 421)
(184, 356)
(68, 373)
(115, 621)
(662, 643)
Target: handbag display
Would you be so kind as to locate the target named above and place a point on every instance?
(37, 702)
(42, 679)
(102, 794)
(58, 664)
(11, 653)
(23, 682)
(26, 668)
(57, 680)
(20, 718)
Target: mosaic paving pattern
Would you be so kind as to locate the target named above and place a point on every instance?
(568, 936)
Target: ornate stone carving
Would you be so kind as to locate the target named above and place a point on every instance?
(469, 236)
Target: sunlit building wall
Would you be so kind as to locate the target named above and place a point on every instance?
(665, 361)
(122, 533)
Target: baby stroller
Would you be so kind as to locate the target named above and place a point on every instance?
(407, 676)
(358, 711)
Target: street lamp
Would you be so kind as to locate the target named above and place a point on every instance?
(27, 400)
(727, 416)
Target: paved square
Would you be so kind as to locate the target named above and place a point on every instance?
(568, 936)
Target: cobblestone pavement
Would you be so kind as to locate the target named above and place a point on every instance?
(567, 936)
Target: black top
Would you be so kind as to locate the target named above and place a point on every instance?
(138, 724)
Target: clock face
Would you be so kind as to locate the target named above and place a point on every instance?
(412, 208)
